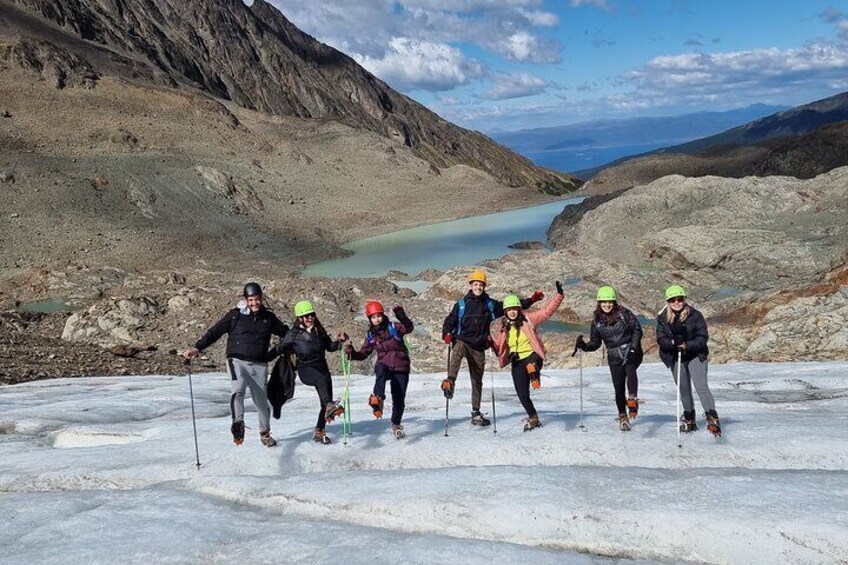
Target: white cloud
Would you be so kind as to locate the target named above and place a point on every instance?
(365, 30)
(507, 86)
(539, 18)
(414, 64)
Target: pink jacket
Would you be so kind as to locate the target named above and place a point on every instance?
(528, 328)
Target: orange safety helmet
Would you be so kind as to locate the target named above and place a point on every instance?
(479, 276)
(373, 307)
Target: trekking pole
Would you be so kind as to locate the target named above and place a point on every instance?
(346, 399)
(580, 361)
(679, 363)
(187, 363)
(447, 400)
(494, 412)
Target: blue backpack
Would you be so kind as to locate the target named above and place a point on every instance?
(372, 340)
(461, 305)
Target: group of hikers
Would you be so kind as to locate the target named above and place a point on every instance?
(681, 336)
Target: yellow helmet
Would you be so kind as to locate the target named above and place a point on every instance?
(477, 276)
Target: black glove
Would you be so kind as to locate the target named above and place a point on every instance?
(559, 288)
(580, 344)
(398, 310)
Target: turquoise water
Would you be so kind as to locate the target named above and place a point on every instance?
(47, 306)
(468, 241)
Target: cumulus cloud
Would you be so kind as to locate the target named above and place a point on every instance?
(506, 86)
(700, 77)
(368, 31)
(413, 64)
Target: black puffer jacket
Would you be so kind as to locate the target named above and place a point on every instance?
(249, 333)
(476, 320)
(309, 348)
(693, 331)
(621, 332)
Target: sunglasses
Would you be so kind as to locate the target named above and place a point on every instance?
(606, 301)
(310, 315)
(677, 299)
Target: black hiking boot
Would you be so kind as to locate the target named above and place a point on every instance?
(478, 419)
(238, 432)
(689, 424)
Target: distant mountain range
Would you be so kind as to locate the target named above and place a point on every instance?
(584, 146)
(802, 142)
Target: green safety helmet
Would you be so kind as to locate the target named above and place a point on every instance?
(511, 301)
(607, 294)
(674, 291)
(303, 308)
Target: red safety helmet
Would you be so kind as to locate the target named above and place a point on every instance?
(373, 307)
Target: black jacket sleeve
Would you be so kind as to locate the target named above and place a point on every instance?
(594, 338)
(216, 332)
(451, 321)
(665, 339)
(636, 328)
(405, 322)
(330, 344)
(283, 347)
(698, 343)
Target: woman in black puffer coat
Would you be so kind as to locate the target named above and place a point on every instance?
(621, 333)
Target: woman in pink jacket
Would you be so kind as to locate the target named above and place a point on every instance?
(518, 343)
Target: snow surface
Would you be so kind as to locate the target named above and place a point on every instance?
(101, 470)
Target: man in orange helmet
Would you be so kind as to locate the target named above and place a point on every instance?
(466, 329)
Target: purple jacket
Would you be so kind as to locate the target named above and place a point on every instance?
(391, 352)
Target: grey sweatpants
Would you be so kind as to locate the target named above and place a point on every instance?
(244, 375)
(694, 372)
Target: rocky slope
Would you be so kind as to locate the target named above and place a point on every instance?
(803, 157)
(256, 58)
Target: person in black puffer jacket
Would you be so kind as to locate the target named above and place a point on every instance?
(249, 328)
(466, 332)
(682, 334)
(393, 364)
(621, 333)
(309, 342)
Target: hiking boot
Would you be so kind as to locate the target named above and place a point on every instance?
(397, 430)
(532, 422)
(376, 404)
(623, 423)
(713, 423)
(478, 419)
(238, 432)
(266, 439)
(535, 382)
(333, 410)
(319, 436)
(447, 387)
(632, 407)
(688, 420)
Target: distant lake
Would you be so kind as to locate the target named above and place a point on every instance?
(468, 241)
(572, 160)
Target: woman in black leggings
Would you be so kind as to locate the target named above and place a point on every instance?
(309, 342)
(621, 332)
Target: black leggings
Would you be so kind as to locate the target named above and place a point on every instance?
(521, 378)
(319, 377)
(398, 382)
(621, 375)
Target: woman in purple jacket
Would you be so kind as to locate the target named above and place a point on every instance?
(392, 360)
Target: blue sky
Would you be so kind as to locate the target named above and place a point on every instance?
(513, 64)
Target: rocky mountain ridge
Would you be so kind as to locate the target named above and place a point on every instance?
(256, 58)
